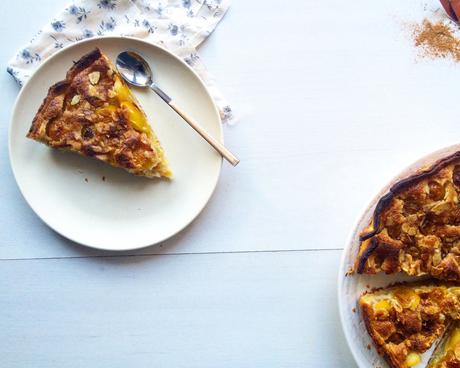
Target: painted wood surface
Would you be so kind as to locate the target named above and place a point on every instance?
(264, 309)
(331, 100)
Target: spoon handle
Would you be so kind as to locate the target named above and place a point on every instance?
(219, 147)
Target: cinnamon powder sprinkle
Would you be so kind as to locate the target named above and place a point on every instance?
(437, 40)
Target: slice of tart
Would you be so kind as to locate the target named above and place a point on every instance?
(415, 227)
(406, 320)
(447, 353)
(94, 113)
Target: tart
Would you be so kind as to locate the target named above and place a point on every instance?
(406, 320)
(93, 112)
(415, 227)
(447, 353)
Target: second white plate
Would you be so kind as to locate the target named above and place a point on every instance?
(122, 211)
(351, 287)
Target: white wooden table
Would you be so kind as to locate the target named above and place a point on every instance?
(332, 104)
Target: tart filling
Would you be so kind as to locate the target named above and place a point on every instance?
(447, 353)
(406, 320)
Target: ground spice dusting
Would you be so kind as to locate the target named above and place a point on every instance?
(437, 40)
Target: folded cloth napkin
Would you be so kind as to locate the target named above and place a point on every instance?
(178, 25)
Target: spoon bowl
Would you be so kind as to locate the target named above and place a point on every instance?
(134, 69)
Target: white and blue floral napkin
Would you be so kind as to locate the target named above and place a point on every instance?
(178, 25)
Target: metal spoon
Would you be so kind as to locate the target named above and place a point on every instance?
(136, 70)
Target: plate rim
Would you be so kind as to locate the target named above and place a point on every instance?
(430, 157)
(14, 112)
(341, 275)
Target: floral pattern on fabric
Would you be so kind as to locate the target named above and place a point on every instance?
(178, 25)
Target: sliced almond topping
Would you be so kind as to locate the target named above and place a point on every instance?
(92, 91)
(94, 77)
(75, 100)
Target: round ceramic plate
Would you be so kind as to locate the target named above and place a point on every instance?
(99, 206)
(351, 287)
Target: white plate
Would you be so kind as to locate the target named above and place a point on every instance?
(124, 211)
(351, 287)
